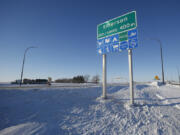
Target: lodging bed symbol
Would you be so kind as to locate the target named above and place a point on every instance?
(118, 42)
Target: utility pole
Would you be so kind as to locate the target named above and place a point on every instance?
(162, 63)
(161, 53)
(178, 75)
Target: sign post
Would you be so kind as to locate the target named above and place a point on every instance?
(117, 35)
(131, 88)
(104, 77)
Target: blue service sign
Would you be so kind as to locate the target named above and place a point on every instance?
(113, 44)
(132, 38)
(132, 34)
(100, 42)
(115, 47)
(133, 43)
(111, 39)
(124, 45)
(115, 39)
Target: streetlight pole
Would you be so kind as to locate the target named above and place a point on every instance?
(162, 65)
(178, 75)
(24, 62)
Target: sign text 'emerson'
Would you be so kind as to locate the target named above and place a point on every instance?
(117, 25)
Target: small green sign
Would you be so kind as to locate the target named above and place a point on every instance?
(123, 36)
(117, 25)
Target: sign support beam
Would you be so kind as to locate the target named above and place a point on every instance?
(131, 88)
(104, 77)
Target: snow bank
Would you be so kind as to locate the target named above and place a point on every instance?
(79, 110)
(156, 83)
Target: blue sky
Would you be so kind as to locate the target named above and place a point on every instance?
(65, 33)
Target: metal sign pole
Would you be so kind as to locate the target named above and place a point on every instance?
(104, 77)
(131, 77)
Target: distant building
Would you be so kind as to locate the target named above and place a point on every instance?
(16, 82)
(31, 81)
(41, 81)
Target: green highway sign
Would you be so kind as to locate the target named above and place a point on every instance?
(120, 24)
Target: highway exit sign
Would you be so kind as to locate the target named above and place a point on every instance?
(119, 24)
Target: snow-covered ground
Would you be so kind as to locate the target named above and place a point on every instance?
(9, 85)
(69, 109)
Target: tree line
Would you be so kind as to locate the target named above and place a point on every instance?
(79, 79)
(75, 79)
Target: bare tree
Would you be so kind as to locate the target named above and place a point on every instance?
(49, 79)
(86, 78)
(96, 79)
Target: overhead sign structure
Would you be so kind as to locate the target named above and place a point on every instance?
(117, 35)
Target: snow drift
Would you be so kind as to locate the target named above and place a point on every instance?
(80, 110)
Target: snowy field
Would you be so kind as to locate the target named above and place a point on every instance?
(78, 109)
